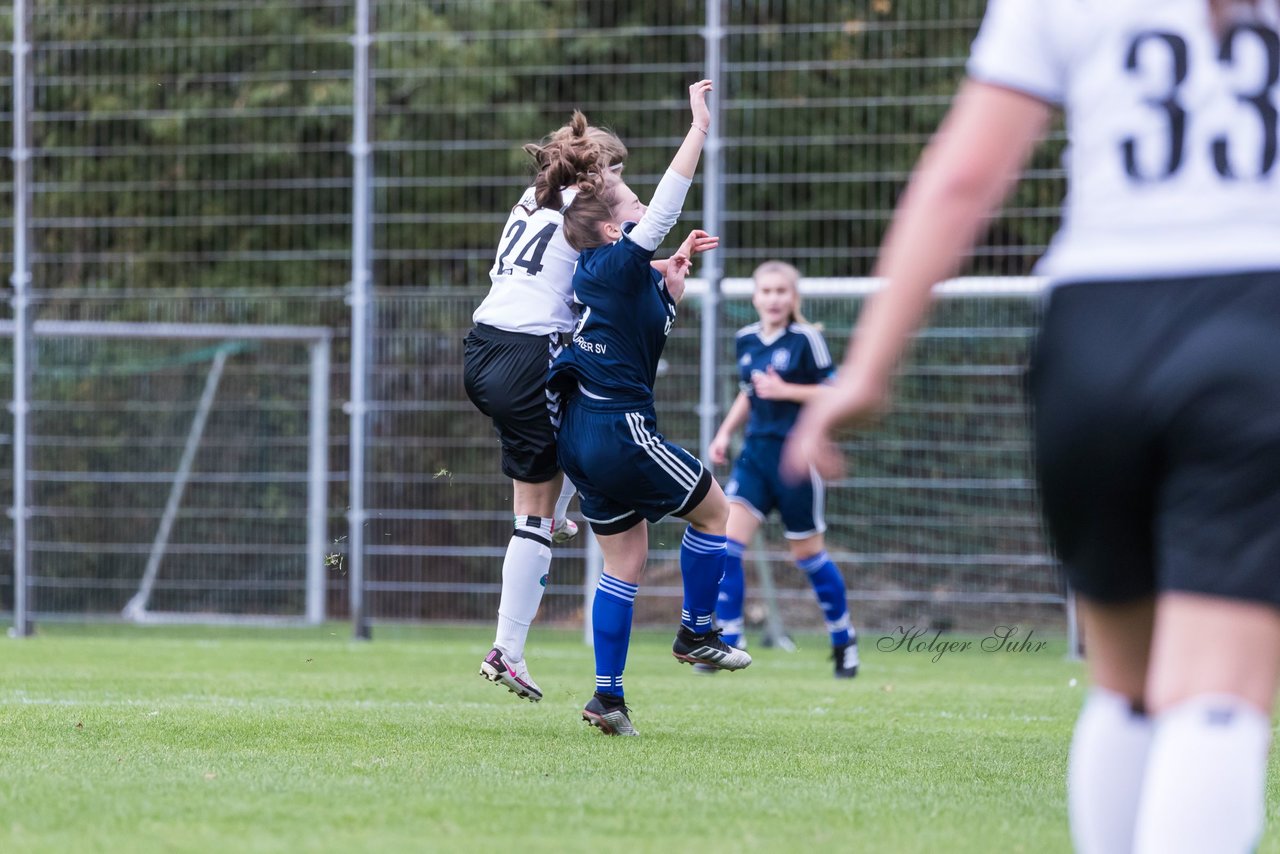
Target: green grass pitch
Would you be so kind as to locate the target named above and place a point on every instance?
(203, 739)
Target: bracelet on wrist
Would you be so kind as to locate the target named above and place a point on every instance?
(698, 127)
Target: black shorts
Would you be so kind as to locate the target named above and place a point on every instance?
(1156, 410)
(505, 374)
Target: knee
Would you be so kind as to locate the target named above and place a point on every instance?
(715, 518)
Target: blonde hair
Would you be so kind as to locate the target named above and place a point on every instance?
(792, 275)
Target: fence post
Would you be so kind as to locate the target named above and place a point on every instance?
(361, 337)
(23, 337)
(318, 482)
(712, 197)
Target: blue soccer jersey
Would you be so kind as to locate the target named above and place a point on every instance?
(798, 354)
(626, 316)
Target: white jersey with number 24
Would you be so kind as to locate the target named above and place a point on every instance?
(532, 275)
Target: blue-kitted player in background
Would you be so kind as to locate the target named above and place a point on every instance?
(782, 362)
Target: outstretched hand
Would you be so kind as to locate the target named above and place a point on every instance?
(810, 446)
(811, 443)
(698, 103)
(698, 241)
(677, 268)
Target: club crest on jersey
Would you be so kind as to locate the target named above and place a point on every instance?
(745, 360)
(780, 359)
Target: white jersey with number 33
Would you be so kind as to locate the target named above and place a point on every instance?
(1171, 128)
(532, 275)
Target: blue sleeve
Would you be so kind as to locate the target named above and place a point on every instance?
(624, 265)
(817, 359)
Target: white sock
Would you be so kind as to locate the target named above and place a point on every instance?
(524, 578)
(1104, 777)
(566, 495)
(1205, 778)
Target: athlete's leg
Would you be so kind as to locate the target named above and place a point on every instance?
(1215, 652)
(702, 557)
(504, 374)
(537, 499)
(810, 555)
(525, 567)
(702, 560)
(1113, 733)
(741, 529)
(624, 558)
(711, 514)
(1211, 687)
(1097, 460)
(564, 528)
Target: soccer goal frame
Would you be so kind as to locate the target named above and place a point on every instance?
(318, 341)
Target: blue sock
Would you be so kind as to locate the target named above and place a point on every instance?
(701, 566)
(732, 592)
(611, 631)
(828, 584)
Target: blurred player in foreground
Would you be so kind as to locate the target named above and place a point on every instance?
(1155, 381)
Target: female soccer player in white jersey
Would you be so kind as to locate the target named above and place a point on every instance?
(519, 328)
(782, 359)
(609, 444)
(1155, 380)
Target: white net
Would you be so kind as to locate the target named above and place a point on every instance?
(176, 471)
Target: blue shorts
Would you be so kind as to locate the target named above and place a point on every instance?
(757, 485)
(624, 470)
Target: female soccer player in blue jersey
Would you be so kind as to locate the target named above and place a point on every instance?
(781, 362)
(609, 444)
(519, 327)
(1155, 381)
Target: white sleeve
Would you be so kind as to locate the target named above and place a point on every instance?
(663, 212)
(1015, 49)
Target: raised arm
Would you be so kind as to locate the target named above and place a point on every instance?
(668, 199)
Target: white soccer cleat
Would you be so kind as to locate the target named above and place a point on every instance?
(514, 675)
(563, 530)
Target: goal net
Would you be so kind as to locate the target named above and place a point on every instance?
(178, 471)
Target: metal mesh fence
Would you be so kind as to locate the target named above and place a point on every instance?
(825, 107)
(937, 521)
(191, 164)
